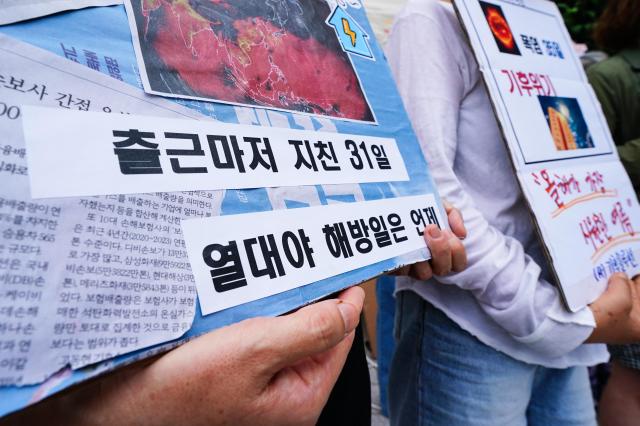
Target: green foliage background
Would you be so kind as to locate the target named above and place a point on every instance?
(580, 15)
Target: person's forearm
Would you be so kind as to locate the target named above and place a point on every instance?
(605, 323)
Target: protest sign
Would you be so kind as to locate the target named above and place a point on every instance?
(100, 38)
(566, 161)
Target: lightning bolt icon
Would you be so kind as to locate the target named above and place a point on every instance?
(348, 31)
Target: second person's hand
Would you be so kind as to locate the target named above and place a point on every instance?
(617, 312)
(447, 251)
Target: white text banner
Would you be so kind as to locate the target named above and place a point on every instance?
(241, 258)
(75, 153)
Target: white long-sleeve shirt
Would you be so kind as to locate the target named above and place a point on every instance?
(502, 297)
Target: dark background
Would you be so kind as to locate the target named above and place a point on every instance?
(580, 15)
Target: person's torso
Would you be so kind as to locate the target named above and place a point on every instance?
(483, 168)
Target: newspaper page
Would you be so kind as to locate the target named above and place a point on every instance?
(84, 279)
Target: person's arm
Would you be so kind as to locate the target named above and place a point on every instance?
(605, 90)
(266, 371)
(629, 151)
(434, 77)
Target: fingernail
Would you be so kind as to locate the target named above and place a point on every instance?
(435, 232)
(350, 316)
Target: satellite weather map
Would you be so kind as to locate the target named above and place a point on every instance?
(272, 53)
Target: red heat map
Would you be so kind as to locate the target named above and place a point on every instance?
(272, 53)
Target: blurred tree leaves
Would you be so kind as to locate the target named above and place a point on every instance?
(580, 16)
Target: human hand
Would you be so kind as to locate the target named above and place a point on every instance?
(267, 371)
(617, 312)
(447, 251)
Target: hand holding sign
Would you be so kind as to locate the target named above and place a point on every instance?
(270, 370)
(261, 371)
(448, 253)
(617, 312)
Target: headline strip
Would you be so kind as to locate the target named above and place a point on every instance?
(75, 153)
(240, 258)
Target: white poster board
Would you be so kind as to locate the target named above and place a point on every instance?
(566, 161)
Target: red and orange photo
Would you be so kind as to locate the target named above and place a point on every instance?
(500, 28)
(271, 54)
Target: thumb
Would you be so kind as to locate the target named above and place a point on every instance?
(618, 289)
(614, 301)
(456, 222)
(312, 330)
(440, 250)
(618, 293)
